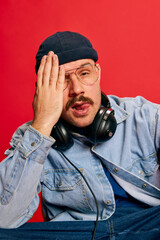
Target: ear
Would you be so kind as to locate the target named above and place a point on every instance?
(99, 71)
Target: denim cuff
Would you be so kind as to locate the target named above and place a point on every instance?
(33, 142)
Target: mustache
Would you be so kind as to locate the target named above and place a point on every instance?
(78, 99)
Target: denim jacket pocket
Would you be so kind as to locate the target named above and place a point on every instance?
(145, 167)
(62, 179)
(65, 188)
(149, 164)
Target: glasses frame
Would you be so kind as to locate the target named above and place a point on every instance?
(74, 70)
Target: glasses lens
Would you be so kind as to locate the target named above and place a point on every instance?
(85, 74)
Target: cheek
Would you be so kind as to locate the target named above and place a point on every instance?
(64, 114)
(64, 110)
(96, 94)
(65, 99)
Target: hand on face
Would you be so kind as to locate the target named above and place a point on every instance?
(48, 99)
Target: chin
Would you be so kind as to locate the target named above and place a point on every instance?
(81, 122)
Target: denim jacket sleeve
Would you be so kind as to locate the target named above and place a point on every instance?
(20, 175)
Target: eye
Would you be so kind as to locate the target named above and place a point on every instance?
(84, 73)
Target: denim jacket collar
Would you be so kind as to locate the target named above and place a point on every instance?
(120, 114)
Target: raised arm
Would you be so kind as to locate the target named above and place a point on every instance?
(20, 172)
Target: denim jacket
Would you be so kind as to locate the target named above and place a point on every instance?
(32, 165)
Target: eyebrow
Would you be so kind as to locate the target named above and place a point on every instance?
(82, 65)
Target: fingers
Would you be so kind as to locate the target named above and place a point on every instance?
(61, 78)
(48, 71)
(54, 70)
(57, 74)
(40, 71)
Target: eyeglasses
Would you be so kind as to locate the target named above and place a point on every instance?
(86, 74)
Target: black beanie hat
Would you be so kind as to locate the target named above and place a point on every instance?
(69, 46)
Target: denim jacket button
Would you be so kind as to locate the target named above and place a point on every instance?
(115, 169)
(33, 144)
(60, 184)
(144, 186)
(108, 202)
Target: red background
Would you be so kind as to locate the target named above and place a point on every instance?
(125, 33)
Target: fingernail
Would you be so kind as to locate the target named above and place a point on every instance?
(61, 68)
(54, 57)
(50, 53)
(44, 57)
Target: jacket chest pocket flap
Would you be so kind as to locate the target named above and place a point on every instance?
(62, 179)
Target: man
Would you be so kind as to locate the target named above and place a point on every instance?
(119, 171)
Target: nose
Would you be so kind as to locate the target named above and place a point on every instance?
(75, 86)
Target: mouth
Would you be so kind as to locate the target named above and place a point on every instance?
(80, 108)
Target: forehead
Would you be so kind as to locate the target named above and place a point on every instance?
(76, 64)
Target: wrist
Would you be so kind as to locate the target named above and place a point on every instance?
(43, 129)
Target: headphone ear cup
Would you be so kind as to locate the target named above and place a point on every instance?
(103, 126)
(102, 129)
(62, 136)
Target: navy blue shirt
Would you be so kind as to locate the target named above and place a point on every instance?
(122, 198)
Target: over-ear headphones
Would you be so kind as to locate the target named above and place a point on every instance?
(102, 128)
